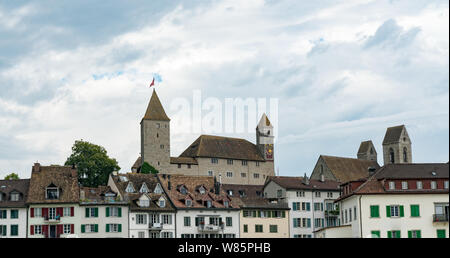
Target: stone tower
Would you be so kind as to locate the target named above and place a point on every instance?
(397, 145)
(264, 138)
(367, 151)
(155, 136)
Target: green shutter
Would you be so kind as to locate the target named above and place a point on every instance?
(388, 211)
(87, 212)
(409, 234)
(419, 235)
(283, 214)
(96, 227)
(415, 211)
(107, 227)
(398, 234)
(389, 234)
(96, 212)
(402, 211)
(83, 228)
(120, 212)
(120, 228)
(375, 233)
(107, 211)
(440, 233)
(374, 211)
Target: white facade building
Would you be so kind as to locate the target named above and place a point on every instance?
(13, 211)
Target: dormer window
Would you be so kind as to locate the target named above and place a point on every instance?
(144, 203)
(188, 203)
(226, 204)
(391, 185)
(52, 192)
(144, 188)
(230, 192)
(241, 193)
(183, 189)
(15, 197)
(130, 188)
(158, 189)
(208, 204)
(202, 190)
(162, 203)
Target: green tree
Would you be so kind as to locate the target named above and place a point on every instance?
(12, 176)
(92, 163)
(147, 169)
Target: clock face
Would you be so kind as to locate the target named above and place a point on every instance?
(269, 151)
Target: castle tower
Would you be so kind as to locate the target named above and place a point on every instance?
(367, 151)
(264, 138)
(397, 145)
(155, 136)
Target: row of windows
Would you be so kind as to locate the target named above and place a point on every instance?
(13, 197)
(14, 214)
(155, 234)
(153, 218)
(264, 214)
(43, 229)
(208, 235)
(109, 212)
(348, 215)
(230, 174)
(419, 185)
(14, 230)
(440, 233)
(301, 222)
(303, 236)
(230, 162)
(52, 213)
(260, 228)
(93, 228)
(212, 221)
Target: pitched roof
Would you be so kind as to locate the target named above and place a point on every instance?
(137, 179)
(297, 183)
(223, 147)
(348, 169)
(9, 186)
(96, 195)
(364, 147)
(64, 177)
(192, 184)
(155, 110)
(252, 197)
(375, 183)
(264, 121)
(137, 163)
(393, 134)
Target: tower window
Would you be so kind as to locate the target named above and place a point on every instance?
(371, 151)
(158, 125)
(244, 163)
(157, 135)
(214, 160)
(405, 154)
(391, 156)
(161, 146)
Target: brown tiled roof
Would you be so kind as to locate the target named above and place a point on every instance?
(10, 186)
(348, 169)
(375, 183)
(155, 110)
(183, 160)
(252, 198)
(297, 183)
(223, 147)
(97, 195)
(137, 163)
(393, 134)
(137, 179)
(192, 183)
(364, 147)
(64, 177)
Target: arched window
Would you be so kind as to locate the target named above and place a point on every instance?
(405, 154)
(391, 155)
(371, 151)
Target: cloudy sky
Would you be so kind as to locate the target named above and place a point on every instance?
(342, 71)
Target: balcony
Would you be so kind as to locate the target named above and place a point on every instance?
(155, 226)
(440, 217)
(209, 228)
(52, 219)
(332, 213)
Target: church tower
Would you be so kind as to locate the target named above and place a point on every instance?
(397, 146)
(367, 151)
(264, 138)
(155, 136)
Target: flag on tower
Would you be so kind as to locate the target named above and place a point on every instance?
(153, 82)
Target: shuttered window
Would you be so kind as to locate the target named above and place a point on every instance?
(374, 211)
(415, 211)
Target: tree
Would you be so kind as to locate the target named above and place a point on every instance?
(12, 176)
(92, 163)
(147, 169)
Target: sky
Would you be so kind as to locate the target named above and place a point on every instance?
(342, 72)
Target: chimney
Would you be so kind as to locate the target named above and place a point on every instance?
(372, 171)
(322, 178)
(36, 167)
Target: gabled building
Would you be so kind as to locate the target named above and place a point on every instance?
(13, 208)
(398, 201)
(259, 217)
(204, 210)
(151, 214)
(397, 146)
(311, 202)
(342, 169)
(104, 214)
(53, 202)
(238, 161)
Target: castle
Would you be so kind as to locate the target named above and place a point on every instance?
(231, 160)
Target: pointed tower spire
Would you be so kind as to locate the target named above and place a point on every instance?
(155, 110)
